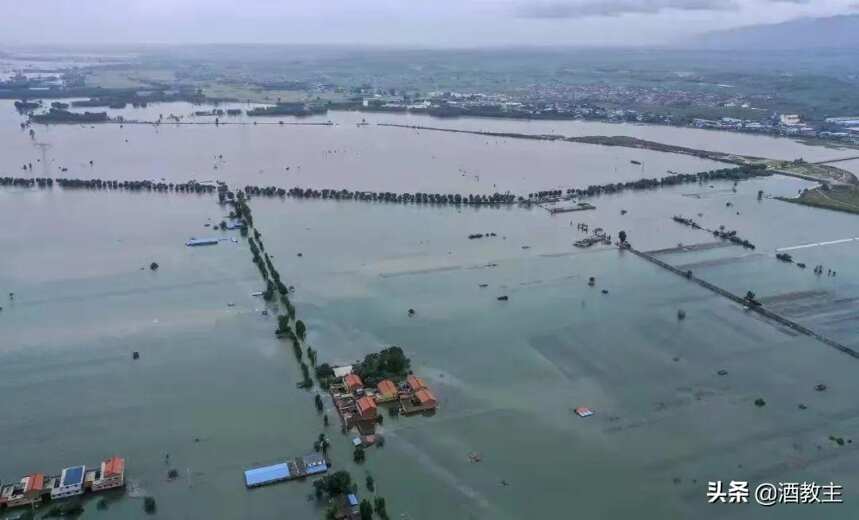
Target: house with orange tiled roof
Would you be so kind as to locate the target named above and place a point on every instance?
(386, 391)
(415, 383)
(425, 399)
(352, 382)
(111, 474)
(366, 408)
(27, 491)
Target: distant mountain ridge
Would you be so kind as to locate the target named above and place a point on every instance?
(802, 33)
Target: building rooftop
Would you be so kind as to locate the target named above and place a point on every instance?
(72, 476)
(342, 371)
(365, 405)
(387, 388)
(424, 396)
(315, 463)
(353, 500)
(266, 475)
(415, 383)
(112, 466)
(352, 381)
(35, 482)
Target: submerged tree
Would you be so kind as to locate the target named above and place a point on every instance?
(359, 455)
(149, 505)
(380, 507)
(300, 329)
(366, 510)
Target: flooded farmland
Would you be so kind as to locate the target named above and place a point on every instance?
(216, 391)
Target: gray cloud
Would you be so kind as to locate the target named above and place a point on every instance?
(590, 8)
(430, 23)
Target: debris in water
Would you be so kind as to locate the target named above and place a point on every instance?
(503, 298)
(135, 355)
(722, 372)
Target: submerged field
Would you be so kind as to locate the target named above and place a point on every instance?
(217, 392)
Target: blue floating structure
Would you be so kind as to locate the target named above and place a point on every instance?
(266, 475)
(202, 242)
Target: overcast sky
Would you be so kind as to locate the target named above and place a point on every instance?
(443, 23)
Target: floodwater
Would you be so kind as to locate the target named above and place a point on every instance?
(341, 156)
(216, 391)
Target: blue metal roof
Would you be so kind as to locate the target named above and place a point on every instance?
(72, 476)
(353, 500)
(266, 475)
(315, 463)
(313, 470)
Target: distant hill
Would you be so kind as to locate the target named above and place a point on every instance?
(803, 33)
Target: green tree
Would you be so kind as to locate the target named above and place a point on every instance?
(380, 507)
(149, 505)
(283, 328)
(331, 513)
(338, 483)
(366, 510)
(359, 455)
(371, 484)
(324, 370)
(300, 329)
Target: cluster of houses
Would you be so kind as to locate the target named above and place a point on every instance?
(837, 128)
(37, 488)
(358, 404)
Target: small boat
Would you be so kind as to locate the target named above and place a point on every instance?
(636, 162)
(584, 411)
(201, 242)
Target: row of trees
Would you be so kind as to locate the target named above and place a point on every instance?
(276, 290)
(390, 362)
(101, 184)
(373, 196)
(738, 173)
